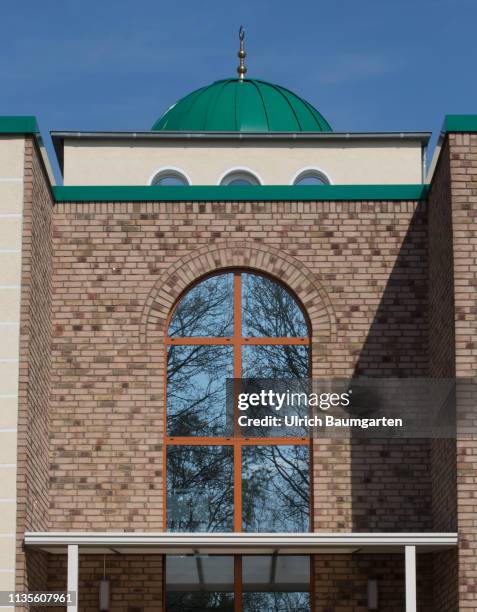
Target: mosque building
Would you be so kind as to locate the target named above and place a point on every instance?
(241, 237)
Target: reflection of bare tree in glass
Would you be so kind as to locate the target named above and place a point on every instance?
(196, 373)
(196, 391)
(199, 488)
(276, 488)
(275, 478)
(276, 602)
(276, 361)
(200, 601)
(205, 310)
(269, 310)
(280, 368)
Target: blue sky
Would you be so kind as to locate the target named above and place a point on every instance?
(117, 65)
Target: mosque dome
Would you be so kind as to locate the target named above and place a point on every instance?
(242, 105)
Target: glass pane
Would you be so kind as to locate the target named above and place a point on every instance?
(240, 178)
(310, 180)
(293, 573)
(278, 409)
(275, 361)
(205, 310)
(199, 601)
(276, 488)
(240, 182)
(276, 602)
(276, 573)
(269, 310)
(182, 573)
(196, 392)
(171, 180)
(217, 572)
(256, 571)
(199, 488)
(199, 573)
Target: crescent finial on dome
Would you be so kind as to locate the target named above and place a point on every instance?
(242, 69)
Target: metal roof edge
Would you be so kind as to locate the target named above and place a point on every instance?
(250, 539)
(19, 124)
(460, 123)
(239, 193)
(174, 135)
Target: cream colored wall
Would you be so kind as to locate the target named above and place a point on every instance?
(134, 163)
(11, 209)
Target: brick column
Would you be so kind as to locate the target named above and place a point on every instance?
(463, 171)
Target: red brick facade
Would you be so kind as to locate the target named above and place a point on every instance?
(376, 280)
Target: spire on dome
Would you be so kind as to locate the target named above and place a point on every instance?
(242, 69)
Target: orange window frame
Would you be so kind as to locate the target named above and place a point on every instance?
(237, 441)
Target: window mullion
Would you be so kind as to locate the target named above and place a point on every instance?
(237, 374)
(238, 589)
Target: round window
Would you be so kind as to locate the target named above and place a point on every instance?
(241, 177)
(169, 178)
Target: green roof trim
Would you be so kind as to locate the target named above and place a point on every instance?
(18, 124)
(460, 123)
(236, 105)
(239, 193)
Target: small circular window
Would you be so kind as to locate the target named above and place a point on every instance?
(311, 177)
(240, 177)
(169, 178)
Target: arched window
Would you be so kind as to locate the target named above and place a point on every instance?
(169, 177)
(240, 176)
(311, 176)
(221, 476)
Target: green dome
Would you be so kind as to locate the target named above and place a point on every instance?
(249, 105)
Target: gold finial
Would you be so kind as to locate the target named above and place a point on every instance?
(242, 69)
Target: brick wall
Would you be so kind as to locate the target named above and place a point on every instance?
(136, 581)
(441, 271)
(445, 581)
(359, 268)
(442, 335)
(35, 367)
(463, 170)
(341, 582)
(442, 365)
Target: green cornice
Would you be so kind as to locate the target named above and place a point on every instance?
(460, 123)
(18, 124)
(239, 193)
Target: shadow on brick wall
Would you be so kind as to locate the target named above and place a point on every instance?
(391, 480)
